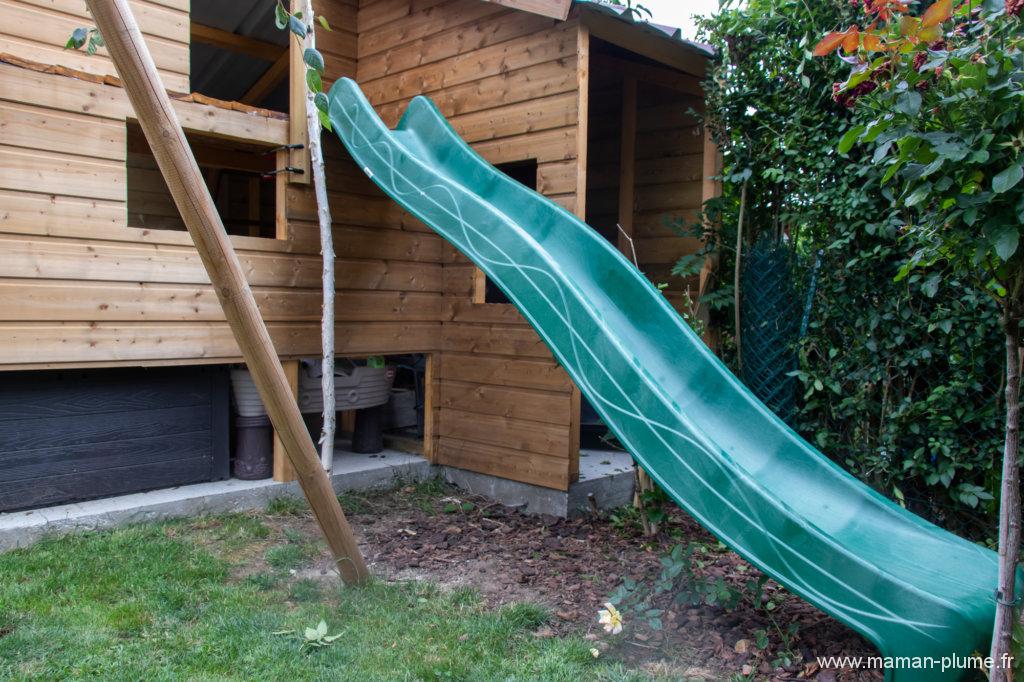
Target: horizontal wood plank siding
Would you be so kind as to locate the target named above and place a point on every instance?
(508, 82)
(67, 436)
(79, 287)
(38, 29)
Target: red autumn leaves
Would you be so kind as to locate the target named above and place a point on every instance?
(915, 30)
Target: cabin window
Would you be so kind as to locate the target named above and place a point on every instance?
(238, 175)
(237, 53)
(525, 173)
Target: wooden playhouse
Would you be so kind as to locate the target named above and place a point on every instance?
(112, 342)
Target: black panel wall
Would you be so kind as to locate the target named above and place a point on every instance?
(76, 435)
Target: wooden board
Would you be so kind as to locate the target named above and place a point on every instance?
(518, 404)
(527, 467)
(80, 435)
(559, 9)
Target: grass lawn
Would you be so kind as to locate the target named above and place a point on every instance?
(208, 599)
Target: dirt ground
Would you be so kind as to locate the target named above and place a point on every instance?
(440, 534)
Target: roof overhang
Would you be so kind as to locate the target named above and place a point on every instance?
(663, 44)
(617, 25)
(556, 9)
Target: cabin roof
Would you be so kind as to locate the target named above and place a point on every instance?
(655, 31)
(618, 25)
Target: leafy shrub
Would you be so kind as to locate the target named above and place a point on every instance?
(900, 386)
(898, 382)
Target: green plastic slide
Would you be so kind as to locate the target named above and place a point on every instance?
(911, 588)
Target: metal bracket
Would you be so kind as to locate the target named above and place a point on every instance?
(286, 169)
(1013, 604)
(284, 148)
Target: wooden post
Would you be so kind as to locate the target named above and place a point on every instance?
(298, 131)
(284, 472)
(153, 108)
(430, 388)
(583, 116)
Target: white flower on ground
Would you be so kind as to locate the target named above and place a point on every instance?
(610, 618)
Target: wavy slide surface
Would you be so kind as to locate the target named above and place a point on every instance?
(910, 587)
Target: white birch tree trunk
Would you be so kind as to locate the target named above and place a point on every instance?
(327, 251)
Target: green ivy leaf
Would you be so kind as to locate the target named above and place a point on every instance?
(918, 195)
(313, 59)
(281, 16)
(325, 122)
(323, 22)
(891, 171)
(320, 100)
(297, 27)
(314, 81)
(1008, 179)
(77, 39)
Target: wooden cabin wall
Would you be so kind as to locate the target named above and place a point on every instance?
(669, 183)
(667, 178)
(79, 287)
(509, 83)
(604, 144)
(38, 29)
(389, 269)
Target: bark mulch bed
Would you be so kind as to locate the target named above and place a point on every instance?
(436, 533)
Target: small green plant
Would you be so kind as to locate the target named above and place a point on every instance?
(625, 520)
(264, 582)
(89, 38)
(452, 506)
(676, 569)
(425, 494)
(317, 638)
(681, 576)
(654, 505)
(354, 504)
(786, 653)
(635, 10)
(314, 61)
(294, 536)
